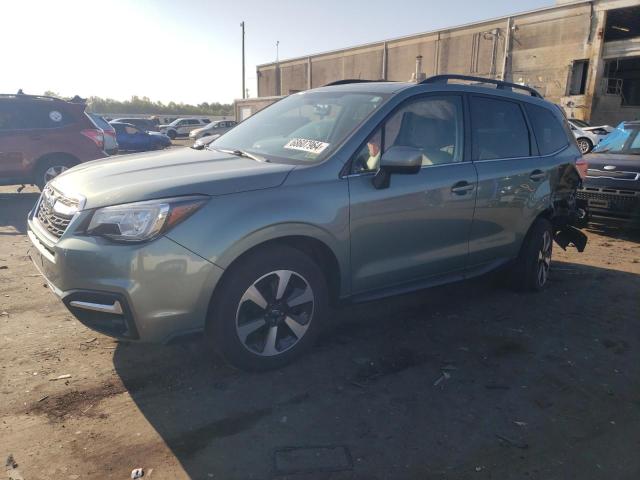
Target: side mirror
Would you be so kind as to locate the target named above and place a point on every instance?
(402, 160)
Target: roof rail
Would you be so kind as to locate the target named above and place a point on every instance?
(350, 80)
(25, 95)
(498, 83)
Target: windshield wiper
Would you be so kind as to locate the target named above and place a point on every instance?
(241, 153)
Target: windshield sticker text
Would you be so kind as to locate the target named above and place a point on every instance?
(304, 145)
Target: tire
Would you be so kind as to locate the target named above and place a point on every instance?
(51, 167)
(585, 145)
(254, 325)
(172, 134)
(531, 270)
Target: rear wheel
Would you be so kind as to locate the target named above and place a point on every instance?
(531, 271)
(585, 145)
(269, 309)
(51, 167)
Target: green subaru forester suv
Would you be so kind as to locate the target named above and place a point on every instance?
(352, 191)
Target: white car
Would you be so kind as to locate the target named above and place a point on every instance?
(586, 135)
(214, 128)
(181, 127)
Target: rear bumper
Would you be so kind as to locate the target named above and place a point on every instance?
(611, 203)
(151, 292)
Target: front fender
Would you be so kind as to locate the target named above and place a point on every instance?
(230, 225)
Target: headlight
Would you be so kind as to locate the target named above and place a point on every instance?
(142, 221)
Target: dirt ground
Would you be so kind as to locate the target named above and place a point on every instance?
(464, 381)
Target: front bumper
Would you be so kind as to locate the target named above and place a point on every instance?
(150, 292)
(611, 202)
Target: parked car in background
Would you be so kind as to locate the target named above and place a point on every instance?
(214, 128)
(400, 187)
(41, 136)
(204, 141)
(132, 139)
(612, 185)
(181, 127)
(586, 140)
(110, 141)
(144, 124)
(601, 130)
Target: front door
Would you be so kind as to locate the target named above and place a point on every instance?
(417, 228)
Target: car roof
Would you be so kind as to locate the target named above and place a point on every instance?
(392, 88)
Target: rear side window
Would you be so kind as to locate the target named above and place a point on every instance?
(45, 115)
(33, 115)
(498, 129)
(548, 130)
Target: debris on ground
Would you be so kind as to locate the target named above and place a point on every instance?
(61, 377)
(520, 424)
(137, 473)
(513, 443)
(91, 340)
(43, 398)
(2, 314)
(10, 463)
(3, 267)
(444, 376)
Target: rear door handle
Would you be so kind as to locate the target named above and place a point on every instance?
(537, 175)
(461, 188)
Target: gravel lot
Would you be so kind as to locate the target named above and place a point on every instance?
(464, 381)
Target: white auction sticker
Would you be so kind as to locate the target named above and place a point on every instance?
(304, 145)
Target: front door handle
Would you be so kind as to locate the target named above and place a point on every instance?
(461, 188)
(537, 175)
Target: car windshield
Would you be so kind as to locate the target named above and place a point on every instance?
(624, 139)
(302, 128)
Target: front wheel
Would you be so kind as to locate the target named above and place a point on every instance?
(269, 309)
(585, 145)
(531, 270)
(171, 134)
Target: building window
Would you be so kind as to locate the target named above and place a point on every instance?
(623, 79)
(578, 82)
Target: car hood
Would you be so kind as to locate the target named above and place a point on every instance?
(619, 161)
(620, 171)
(151, 175)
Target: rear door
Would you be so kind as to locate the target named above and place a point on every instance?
(418, 228)
(13, 140)
(513, 180)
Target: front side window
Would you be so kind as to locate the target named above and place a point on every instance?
(432, 125)
(302, 128)
(498, 129)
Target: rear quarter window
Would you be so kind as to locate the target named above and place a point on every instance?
(33, 115)
(549, 133)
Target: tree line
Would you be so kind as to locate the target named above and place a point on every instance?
(144, 105)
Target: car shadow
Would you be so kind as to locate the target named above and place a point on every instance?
(617, 230)
(14, 208)
(451, 382)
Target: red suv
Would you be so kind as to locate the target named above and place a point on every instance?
(40, 137)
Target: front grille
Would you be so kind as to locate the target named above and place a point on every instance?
(51, 218)
(623, 201)
(614, 175)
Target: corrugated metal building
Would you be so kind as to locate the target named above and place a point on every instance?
(583, 55)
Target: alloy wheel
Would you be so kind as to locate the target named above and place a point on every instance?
(275, 313)
(584, 145)
(544, 258)
(53, 171)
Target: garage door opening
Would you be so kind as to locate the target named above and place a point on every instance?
(623, 79)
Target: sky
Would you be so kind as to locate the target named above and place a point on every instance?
(190, 51)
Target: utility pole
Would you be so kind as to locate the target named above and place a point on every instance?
(244, 92)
